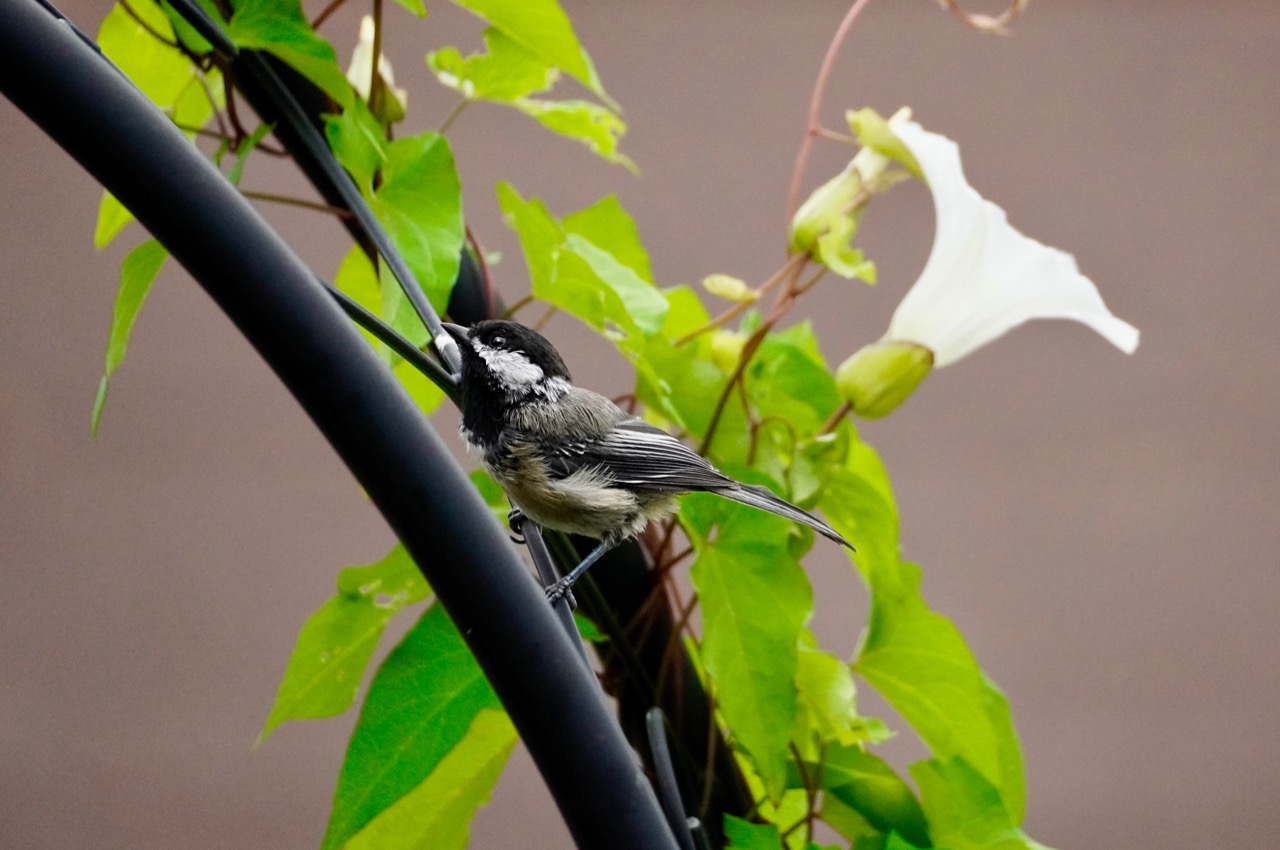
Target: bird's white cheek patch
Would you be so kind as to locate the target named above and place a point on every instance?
(510, 367)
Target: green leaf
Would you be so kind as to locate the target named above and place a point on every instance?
(643, 306)
(913, 656)
(413, 7)
(755, 598)
(850, 824)
(188, 34)
(420, 205)
(542, 28)
(420, 705)
(424, 392)
(867, 785)
(505, 73)
(965, 811)
(588, 630)
(137, 272)
(606, 224)
(163, 73)
(744, 835)
(246, 147)
(355, 137)
(112, 218)
(356, 278)
(788, 378)
(437, 814)
(337, 641)
(824, 686)
(280, 28)
(685, 313)
(593, 125)
(591, 265)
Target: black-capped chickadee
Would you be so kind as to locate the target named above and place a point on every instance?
(572, 460)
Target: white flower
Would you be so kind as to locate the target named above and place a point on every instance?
(983, 277)
(360, 71)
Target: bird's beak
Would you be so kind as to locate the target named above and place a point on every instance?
(458, 332)
(447, 344)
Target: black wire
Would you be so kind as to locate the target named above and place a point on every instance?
(309, 136)
(397, 343)
(655, 722)
(548, 575)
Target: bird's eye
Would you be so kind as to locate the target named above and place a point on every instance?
(498, 341)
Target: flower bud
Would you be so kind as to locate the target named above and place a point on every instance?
(880, 376)
(726, 349)
(730, 288)
(828, 204)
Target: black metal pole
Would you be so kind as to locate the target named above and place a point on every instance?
(94, 113)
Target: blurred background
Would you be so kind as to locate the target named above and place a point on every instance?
(1102, 528)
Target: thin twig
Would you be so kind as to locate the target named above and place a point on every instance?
(673, 643)
(833, 136)
(776, 312)
(518, 306)
(841, 412)
(709, 781)
(297, 202)
(545, 317)
(812, 281)
(453, 115)
(129, 10)
(376, 90)
(324, 15)
(229, 93)
(741, 307)
(213, 102)
(815, 104)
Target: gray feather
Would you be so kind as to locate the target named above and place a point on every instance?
(759, 497)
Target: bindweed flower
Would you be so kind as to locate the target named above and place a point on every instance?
(982, 279)
(360, 75)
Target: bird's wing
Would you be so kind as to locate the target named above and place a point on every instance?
(639, 456)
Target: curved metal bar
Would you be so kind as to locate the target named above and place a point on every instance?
(107, 125)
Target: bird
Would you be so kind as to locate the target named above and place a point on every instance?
(570, 459)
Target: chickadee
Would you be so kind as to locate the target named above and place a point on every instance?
(572, 460)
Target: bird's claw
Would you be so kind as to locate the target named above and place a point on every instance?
(515, 521)
(561, 590)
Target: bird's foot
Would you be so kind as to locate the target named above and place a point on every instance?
(562, 589)
(515, 521)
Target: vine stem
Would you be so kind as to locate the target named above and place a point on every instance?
(296, 202)
(741, 307)
(780, 306)
(376, 89)
(841, 413)
(324, 15)
(812, 127)
(453, 115)
(517, 307)
(137, 19)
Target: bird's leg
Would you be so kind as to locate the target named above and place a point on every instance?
(515, 521)
(556, 591)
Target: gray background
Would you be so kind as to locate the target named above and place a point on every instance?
(1103, 529)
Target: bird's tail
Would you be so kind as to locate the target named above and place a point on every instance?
(762, 498)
